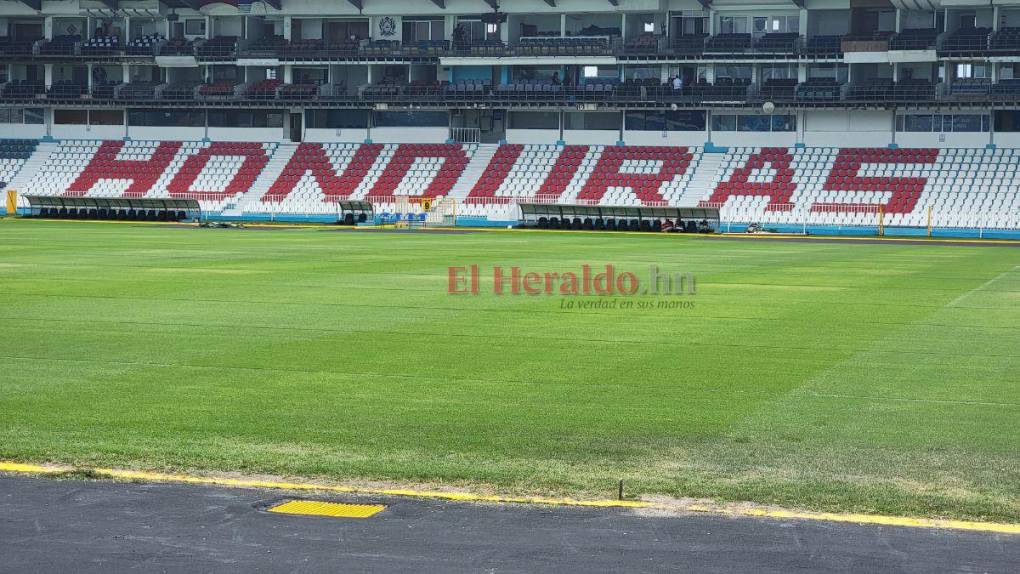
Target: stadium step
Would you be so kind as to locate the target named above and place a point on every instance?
(270, 174)
(30, 170)
(474, 170)
(703, 183)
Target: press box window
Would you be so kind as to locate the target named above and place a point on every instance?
(69, 117)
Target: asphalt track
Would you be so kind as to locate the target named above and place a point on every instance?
(87, 526)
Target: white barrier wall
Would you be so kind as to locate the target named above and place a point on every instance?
(88, 132)
(157, 133)
(410, 135)
(754, 139)
(248, 134)
(23, 131)
(844, 128)
(646, 138)
(332, 135)
(532, 136)
(591, 137)
(964, 140)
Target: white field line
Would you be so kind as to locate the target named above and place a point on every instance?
(982, 287)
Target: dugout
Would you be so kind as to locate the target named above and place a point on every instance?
(619, 218)
(355, 212)
(108, 208)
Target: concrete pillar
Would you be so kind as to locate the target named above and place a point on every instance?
(48, 75)
(48, 27)
(899, 20)
(563, 24)
(288, 22)
(803, 23)
(288, 74)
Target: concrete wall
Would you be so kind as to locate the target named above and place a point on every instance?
(249, 134)
(647, 138)
(532, 136)
(590, 137)
(157, 133)
(332, 135)
(410, 135)
(846, 128)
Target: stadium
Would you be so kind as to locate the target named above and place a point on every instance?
(573, 285)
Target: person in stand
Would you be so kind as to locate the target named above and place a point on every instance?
(678, 84)
(460, 37)
(556, 79)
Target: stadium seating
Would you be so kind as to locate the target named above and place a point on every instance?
(823, 186)
(19, 89)
(729, 43)
(566, 46)
(100, 46)
(136, 91)
(265, 47)
(830, 186)
(218, 48)
(967, 40)
(222, 89)
(263, 90)
(914, 39)
(318, 175)
(1007, 39)
(213, 173)
(63, 45)
(824, 45)
(144, 45)
(609, 175)
(690, 44)
(11, 47)
(66, 89)
(778, 43)
(819, 90)
(13, 155)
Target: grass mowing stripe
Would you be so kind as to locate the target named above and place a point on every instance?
(827, 376)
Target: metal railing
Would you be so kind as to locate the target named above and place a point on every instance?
(770, 46)
(530, 95)
(466, 135)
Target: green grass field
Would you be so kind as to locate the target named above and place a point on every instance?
(838, 376)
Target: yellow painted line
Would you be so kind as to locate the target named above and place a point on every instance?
(878, 519)
(330, 509)
(874, 519)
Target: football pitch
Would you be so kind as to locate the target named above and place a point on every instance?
(845, 376)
